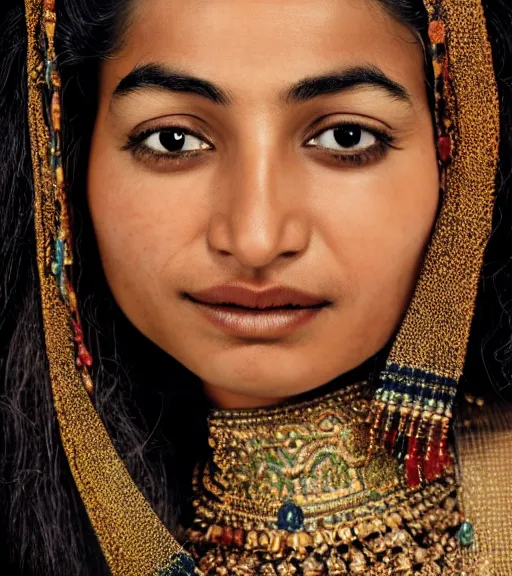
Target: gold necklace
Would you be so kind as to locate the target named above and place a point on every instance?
(289, 490)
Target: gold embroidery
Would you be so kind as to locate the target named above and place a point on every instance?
(132, 537)
(346, 515)
(484, 439)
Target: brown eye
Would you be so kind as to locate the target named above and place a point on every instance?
(350, 137)
(173, 140)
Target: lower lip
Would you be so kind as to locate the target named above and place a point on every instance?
(262, 324)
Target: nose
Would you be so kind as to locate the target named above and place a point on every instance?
(261, 211)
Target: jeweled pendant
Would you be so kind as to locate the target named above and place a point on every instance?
(290, 517)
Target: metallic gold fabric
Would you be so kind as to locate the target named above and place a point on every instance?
(289, 490)
(484, 440)
(133, 539)
(435, 331)
(419, 383)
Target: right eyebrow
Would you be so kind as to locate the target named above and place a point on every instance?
(173, 80)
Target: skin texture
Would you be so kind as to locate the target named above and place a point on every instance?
(259, 206)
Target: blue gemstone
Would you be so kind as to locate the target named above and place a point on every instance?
(181, 565)
(290, 517)
(466, 534)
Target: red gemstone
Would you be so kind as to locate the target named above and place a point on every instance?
(444, 145)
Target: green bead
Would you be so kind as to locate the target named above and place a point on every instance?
(466, 534)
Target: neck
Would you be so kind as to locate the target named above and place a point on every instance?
(228, 400)
(224, 399)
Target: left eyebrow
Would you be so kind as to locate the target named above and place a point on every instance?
(336, 82)
(155, 75)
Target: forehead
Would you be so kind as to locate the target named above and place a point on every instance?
(261, 45)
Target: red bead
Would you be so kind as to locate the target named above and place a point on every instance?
(436, 32)
(444, 145)
(429, 469)
(430, 463)
(79, 335)
(411, 464)
(389, 439)
(83, 356)
(227, 536)
(444, 459)
(238, 537)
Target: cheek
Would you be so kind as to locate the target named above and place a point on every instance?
(389, 227)
(141, 223)
(377, 224)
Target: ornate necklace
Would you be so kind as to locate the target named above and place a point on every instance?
(290, 490)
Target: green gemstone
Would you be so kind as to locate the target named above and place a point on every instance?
(374, 495)
(466, 534)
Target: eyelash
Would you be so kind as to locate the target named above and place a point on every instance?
(371, 154)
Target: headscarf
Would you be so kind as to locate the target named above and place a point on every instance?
(412, 409)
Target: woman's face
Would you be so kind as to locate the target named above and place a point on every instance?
(329, 186)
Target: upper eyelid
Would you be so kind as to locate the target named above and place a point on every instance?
(372, 129)
(144, 134)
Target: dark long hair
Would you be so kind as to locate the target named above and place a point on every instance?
(144, 396)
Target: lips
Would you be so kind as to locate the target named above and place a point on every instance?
(275, 297)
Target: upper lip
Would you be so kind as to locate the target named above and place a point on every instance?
(273, 297)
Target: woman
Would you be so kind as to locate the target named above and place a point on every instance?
(340, 161)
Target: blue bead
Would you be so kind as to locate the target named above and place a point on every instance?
(50, 66)
(466, 534)
(59, 252)
(181, 565)
(290, 517)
